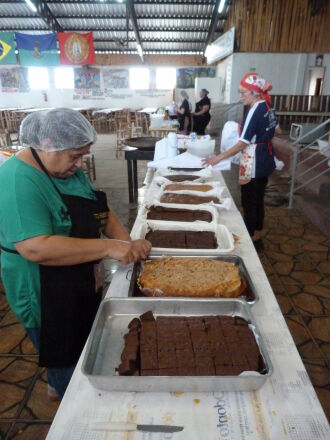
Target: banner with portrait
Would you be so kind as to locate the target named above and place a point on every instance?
(76, 48)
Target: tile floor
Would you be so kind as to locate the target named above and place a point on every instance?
(296, 258)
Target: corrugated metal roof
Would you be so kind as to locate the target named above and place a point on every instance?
(86, 9)
(92, 23)
(15, 9)
(163, 25)
(22, 23)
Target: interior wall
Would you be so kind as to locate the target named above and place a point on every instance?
(123, 98)
(224, 71)
(326, 64)
(286, 72)
(149, 60)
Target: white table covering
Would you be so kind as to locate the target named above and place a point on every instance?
(148, 110)
(107, 111)
(286, 407)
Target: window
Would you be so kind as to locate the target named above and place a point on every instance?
(64, 78)
(38, 78)
(166, 78)
(139, 78)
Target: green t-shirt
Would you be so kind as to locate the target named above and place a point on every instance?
(30, 206)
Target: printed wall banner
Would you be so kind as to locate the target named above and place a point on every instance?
(185, 77)
(7, 48)
(37, 50)
(115, 78)
(87, 78)
(14, 80)
(76, 48)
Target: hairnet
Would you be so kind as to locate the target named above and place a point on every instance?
(30, 128)
(59, 129)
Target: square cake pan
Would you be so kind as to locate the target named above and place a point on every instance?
(250, 294)
(106, 342)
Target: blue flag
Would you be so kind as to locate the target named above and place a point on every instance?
(37, 50)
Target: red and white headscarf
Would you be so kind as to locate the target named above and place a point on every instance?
(254, 81)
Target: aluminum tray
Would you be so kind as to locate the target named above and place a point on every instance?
(250, 294)
(106, 342)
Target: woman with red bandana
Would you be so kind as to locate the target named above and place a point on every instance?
(257, 156)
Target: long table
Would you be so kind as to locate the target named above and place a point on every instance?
(286, 407)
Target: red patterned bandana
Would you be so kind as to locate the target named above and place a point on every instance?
(253, 81)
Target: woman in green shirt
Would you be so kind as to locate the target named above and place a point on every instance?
(51, 219)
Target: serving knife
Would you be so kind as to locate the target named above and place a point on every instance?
(131, 426)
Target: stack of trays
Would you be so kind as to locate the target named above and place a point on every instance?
(193, 281)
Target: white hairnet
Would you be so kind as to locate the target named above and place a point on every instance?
(30, 128)
(57, 130)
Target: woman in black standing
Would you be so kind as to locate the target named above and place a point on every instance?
(184, 113)
(202, 115)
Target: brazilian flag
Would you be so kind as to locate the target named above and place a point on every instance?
(7, 48)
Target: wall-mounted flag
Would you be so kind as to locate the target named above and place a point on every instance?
(76, 48)
(37, 50)
(7, 48)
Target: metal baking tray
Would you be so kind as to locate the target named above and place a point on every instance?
(106, 343)
(250, 294)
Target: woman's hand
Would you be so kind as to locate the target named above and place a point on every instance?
(129, 251)
(140, 249)
(212, 160)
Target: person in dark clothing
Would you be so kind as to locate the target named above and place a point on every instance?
(202, 116)
(255, 143)
(184, 113)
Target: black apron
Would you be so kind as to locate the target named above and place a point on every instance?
(68, 298)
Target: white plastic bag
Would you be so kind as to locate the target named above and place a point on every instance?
(229, 138)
